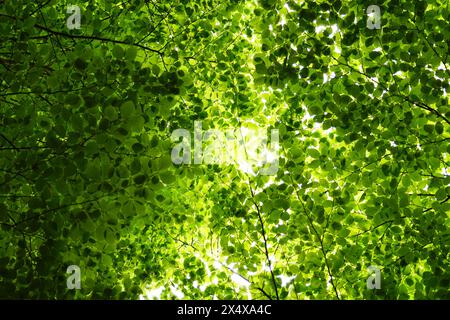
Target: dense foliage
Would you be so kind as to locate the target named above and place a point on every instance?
(86, 176)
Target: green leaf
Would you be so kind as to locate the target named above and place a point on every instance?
(439, 128)
(313, 153)
(137, 147)
(131, 53)
(441, 194)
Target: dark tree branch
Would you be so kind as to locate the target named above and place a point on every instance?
(74, 36)
(263, 232)
(322, 249)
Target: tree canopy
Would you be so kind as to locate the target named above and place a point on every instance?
(87, 178)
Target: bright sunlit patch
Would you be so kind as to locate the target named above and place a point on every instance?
(337, 50)
(320, 29)
(285, 280)
(151, 294)
(286, 5)
(441, 66)
(334, 29)
(253, 150)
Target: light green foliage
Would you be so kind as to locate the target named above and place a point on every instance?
(86, 176)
